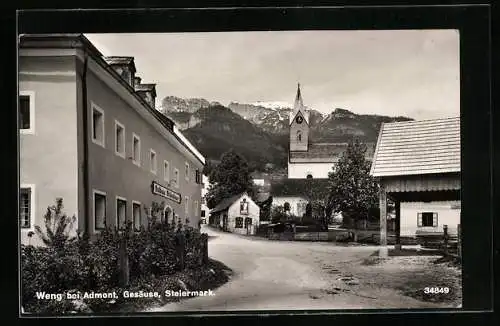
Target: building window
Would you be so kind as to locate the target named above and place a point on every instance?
(27, 112)
(136, 150)
(97, 125)
(197, 177)
(26, 204)
(427, 219)
(136, 211)
(238, 223)
(176, 177)
(121, 212)
(195, 208)
(99, 210)
(286, 206)
(186, 206)
(244, 207)
(166, 171)
(299, 136)
(186, 171)
(152, 161)
(119, 139)
(202, 213)
(248, 221)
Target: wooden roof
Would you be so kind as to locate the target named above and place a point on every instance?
(418, 147)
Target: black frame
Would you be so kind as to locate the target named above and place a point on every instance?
(478, 120)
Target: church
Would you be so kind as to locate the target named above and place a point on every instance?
(307, 159)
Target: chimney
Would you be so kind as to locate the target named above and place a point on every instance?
(137, 80)
(147, 92)
(124, 66)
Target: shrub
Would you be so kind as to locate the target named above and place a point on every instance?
(80, 263)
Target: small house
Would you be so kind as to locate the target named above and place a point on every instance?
(417, 164)
(237, 214)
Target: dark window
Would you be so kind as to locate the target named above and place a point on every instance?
(24, 112)
(427, 219)
(248, 221)
(25, 207)
(299, 136)
(136, 208)
(286, 206)
(239, 223)
(99, 211)
(203, 213)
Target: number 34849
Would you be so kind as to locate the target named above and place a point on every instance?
(436, 290)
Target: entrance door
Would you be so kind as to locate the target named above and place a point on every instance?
(248, 225)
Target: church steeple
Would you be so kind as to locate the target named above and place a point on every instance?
(298, 105)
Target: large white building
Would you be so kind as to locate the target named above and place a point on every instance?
(307, 159)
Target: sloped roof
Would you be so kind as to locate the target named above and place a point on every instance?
(146, 88)
(418, 147)
(325, 152)
(226, 203)
(297, 187)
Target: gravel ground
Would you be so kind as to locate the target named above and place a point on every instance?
(287, 275)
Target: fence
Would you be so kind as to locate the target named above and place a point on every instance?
(450, 244)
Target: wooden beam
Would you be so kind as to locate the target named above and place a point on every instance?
(383, 221)
(398, 225)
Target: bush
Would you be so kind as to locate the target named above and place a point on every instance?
(80, 263)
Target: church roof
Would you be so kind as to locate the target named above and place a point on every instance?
(298, 106)
(325, 153)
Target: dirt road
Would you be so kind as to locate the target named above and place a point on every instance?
(282, 275)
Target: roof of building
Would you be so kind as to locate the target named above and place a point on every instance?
(297, 187)
(226, 203)
(115, 60)
(146, 88)
(298, 106)
(418, 147)
(325, 153)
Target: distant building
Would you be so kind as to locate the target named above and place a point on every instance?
(90, 134)
(418, 165)
(237, 214)
(306, 159)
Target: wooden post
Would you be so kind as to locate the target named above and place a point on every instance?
(397, 226)
(459, 241)
(383, 222)
(124, 267)
(445, 236)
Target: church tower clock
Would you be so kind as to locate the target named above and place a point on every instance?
(299, 125)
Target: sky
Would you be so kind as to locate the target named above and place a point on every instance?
(413, 73)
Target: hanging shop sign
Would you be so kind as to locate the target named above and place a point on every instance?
(160, 190)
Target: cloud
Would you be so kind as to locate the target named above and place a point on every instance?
(377, 72)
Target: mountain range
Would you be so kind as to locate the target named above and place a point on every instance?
(260, 131)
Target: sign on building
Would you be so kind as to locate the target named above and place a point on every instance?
(160, 190)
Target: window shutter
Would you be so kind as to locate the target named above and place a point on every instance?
(434, 219)
(419, 219)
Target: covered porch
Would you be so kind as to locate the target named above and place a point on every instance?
(408, 189)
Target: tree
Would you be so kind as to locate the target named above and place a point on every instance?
(265, 209)
(352, 190)
(230, 177)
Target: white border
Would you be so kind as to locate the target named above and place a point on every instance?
(135, 136)
(99, 192)
(166, 172)
(95, 141)
(116, 211)
(31, 95)
(135, 202)
(32, 188)
(119, 124)
(151, 165)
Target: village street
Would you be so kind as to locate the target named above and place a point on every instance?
(274, 275)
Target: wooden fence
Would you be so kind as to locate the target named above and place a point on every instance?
(449, 244)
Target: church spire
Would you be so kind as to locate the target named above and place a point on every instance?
(298, 100)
